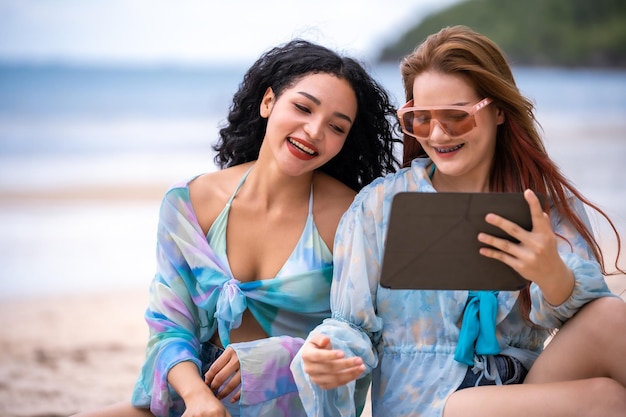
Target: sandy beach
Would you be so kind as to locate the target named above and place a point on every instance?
(66, 353)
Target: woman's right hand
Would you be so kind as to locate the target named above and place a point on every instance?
(224, 375)
(328, 367)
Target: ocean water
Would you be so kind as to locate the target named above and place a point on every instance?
(100, 128)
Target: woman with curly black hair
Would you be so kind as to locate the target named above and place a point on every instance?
(368, 149)
(244, 261)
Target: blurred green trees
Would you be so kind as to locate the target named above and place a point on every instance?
(571, 33)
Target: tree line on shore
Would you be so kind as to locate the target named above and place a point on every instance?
(564, 33)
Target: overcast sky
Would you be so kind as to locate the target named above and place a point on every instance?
(197, 30)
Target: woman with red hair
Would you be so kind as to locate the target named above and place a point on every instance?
(469, 129)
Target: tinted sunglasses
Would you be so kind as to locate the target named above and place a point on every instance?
(453, 120)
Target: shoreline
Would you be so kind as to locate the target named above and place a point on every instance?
(118, 193)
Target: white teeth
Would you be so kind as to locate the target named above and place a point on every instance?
(301, 147)
(448, 150)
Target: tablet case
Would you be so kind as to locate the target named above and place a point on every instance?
(432, 241)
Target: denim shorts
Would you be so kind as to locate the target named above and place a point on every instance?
(510, 370)
(208, 355)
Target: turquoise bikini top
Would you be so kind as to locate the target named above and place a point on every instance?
(310, 252)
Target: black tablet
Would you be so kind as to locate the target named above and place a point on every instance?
(432, 241)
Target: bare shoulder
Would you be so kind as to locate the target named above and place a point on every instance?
(332, 194)
(210, 192)
(331, 200)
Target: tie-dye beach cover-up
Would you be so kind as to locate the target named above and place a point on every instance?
(407, 338)
(193, 294)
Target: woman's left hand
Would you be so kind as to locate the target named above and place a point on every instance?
(535, 257)
(224, 368)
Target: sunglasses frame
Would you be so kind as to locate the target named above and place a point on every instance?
(469, 109)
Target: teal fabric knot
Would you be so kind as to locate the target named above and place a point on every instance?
(229, 310)
(478, 329)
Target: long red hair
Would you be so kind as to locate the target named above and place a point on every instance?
(520, 160)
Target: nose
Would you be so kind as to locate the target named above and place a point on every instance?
(436, 130)
(314, 128)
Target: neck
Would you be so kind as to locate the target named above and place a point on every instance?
(446, 183)
(273, 189)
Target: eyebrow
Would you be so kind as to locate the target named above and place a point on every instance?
(318, 102)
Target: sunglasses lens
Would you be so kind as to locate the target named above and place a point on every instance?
(454, 122)
(416, 123)
(412, 124)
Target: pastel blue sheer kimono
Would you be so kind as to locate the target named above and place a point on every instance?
(408, 339)
(193, 294)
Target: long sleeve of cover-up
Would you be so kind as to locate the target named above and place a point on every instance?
(193, 295)
(355, 327)
(407, 338)
(176, 325)
(588, 282)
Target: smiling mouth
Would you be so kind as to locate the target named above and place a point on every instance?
(302, 147)
(448, 150)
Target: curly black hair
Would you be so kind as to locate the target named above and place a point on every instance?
(368, 151)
